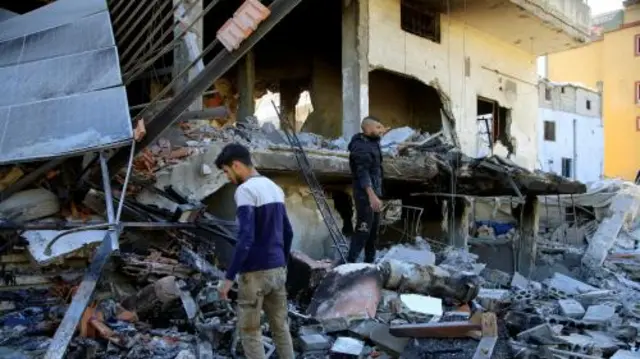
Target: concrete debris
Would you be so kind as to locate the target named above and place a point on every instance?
(157, 297)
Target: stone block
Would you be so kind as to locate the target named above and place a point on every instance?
(540, 332)
(493, 299)
(571, 308)
(314, 342)
(348, 346)
(599, 314)
(626, 354)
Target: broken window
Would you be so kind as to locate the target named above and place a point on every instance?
(562, 89)
(549, 131)
(495, 121)
(547, 94)
(588, 105)
(567, 166)
(420, 21)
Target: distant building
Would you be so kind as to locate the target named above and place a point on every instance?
(611, 64)
(570, 133)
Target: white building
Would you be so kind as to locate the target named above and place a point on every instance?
(570, 132)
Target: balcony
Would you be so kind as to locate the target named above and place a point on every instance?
(536, 26)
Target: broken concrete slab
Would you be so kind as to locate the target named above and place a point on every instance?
(568, 286)
(422, 257)
(422, 305)
(381, 336)
(599, 314)
(39, 241)
(349, 290)
(622, 211)
(348, 346)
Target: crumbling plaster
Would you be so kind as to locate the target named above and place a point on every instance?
(495, 66)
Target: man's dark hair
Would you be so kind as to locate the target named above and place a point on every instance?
(233, 152)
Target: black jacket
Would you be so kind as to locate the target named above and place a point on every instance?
(365, 161)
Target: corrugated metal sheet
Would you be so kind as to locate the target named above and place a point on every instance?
(61, 83)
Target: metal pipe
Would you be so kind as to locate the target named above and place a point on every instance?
(106, 183)
(58, 347)
(126, 181)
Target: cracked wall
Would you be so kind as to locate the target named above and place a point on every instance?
(467, 63)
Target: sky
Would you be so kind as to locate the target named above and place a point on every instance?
(600, 6)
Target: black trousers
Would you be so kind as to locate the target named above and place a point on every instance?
(366, 231)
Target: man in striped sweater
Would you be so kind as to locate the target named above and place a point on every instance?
(261, 254)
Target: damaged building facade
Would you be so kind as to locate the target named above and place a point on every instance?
(443, 78)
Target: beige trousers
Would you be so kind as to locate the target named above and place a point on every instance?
(264, 290)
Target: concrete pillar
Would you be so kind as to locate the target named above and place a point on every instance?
(527, 248)
(458, 222)
(246, 86)
(289, 96)
(190, 47)
(355, 65)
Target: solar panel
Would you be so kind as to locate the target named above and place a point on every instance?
(61, 83)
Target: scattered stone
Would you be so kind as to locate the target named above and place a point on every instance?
(348, 346)
(571, 308)
(314, 342)
(600, 314)
(493, 299)
(626, 354)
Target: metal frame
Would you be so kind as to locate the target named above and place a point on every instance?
(60, 342)
(212, 71)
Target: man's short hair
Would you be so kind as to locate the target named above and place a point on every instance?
(233, 152)
(368, 120)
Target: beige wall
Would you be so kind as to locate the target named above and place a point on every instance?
(393, 49)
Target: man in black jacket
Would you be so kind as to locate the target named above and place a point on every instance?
(365, 162)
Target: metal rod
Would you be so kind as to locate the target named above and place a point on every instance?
(175, 42)
(162, 38)
(106, 183)
(117, 6)
(212, 71)
(126, 181)
(122, 13)
(30, 178)
(135, 14)
(138, 17)
(146, 28)
(58, 347)
(167, 100)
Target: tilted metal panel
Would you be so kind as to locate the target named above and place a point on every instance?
(64, 125)
(60, 76)
(61, 83)
(6, 14)
(56, 14)
(89, 33)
